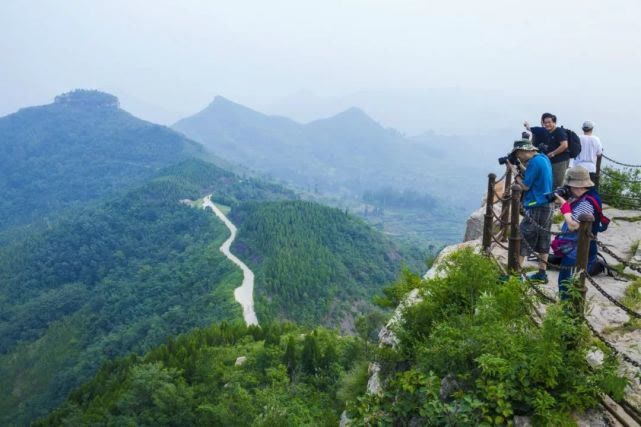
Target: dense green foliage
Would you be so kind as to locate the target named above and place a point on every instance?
(287, 379)
(77, 149)
(470, 353)
(320, 260)
(621, 188)
(113, 278)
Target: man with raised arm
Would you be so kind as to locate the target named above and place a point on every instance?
(552, 141)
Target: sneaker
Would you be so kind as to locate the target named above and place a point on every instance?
(538, 277)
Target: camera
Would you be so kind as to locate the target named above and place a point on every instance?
(561, 191)
(509, 158)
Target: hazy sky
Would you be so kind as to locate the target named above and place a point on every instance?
(168, 59)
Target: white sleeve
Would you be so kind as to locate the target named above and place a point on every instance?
(599, 146)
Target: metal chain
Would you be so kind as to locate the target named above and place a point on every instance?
(540, 259)
(617, 257)
(620, 178)
(536, 224)
(612, 299)
(624, 356)
(621, 164)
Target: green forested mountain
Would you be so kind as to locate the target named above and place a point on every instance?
(114, 278)
(80, 147)
(122, 275)
(290, 377)
(470, 354)
(320, 260)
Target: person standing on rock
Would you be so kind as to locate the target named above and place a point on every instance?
(535, 182)
(553, 142)
(583, 199)
(591, 149)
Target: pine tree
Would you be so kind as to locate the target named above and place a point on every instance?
(289, 359)
(310, 358)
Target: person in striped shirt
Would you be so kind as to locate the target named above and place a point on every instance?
(584, 200)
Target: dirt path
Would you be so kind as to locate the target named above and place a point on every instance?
(244, 294)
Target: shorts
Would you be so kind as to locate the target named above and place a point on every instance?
(558, 172)
(535, 229)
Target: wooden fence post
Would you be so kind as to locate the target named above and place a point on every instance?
(514, 244)
(582, 258)
(597, 181)
(489, 219)
(505, 204)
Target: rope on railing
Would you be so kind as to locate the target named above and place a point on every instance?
(620, 163)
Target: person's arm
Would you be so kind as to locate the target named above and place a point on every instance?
(563, 144)
(599, 146)
(530, 175)
(570, 216)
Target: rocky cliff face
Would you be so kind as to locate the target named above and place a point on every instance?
(622, 237)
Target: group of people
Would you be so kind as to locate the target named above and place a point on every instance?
(545, 165)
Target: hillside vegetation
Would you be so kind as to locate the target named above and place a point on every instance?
(107, 280)
(77, 149)
(290, 377)
(324, 262)
(472, 353)
(469, 354)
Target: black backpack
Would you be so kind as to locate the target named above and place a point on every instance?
(574, 143)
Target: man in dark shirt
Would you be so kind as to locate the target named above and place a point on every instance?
(553, 142)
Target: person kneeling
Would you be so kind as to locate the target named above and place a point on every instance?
(583, 199)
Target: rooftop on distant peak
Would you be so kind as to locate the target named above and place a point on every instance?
(88, 98)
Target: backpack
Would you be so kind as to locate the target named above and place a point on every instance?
(601, 222)
(574, 143)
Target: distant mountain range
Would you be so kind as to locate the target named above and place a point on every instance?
(119, 264)
(346, 157)
(346, 154)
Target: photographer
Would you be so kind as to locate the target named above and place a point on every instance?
(536, 182)
(583, 199)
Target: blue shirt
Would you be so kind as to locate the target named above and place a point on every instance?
(538, 177)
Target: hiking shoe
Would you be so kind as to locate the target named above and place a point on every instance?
(538, 277)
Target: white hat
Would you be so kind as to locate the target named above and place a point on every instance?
(588, 125)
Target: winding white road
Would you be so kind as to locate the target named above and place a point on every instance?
(244, 294)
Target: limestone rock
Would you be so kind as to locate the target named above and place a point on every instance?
(474, 225)
(522, 421)
(344, 421)
(448, 386)
(594, 358)
(374, 383)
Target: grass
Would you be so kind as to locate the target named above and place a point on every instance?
(629, 326)
(627, 218)
(632, 295)
(224, 208)
(635, 247)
